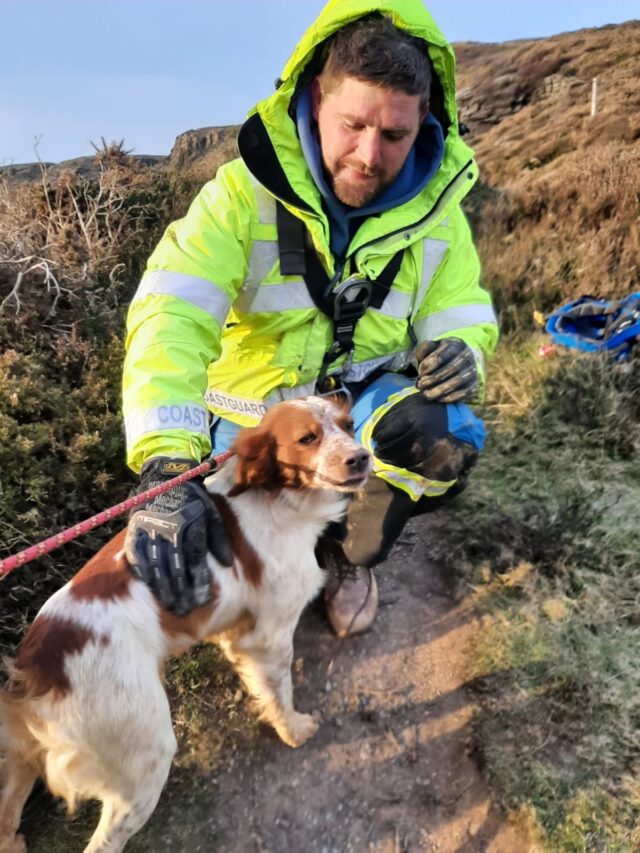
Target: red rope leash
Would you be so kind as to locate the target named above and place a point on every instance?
(7, 565)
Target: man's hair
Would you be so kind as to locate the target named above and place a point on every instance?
(374, 50)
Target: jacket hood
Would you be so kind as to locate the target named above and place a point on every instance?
(268, 140)
(409, 15)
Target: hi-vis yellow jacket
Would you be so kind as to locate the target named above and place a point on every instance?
(214, 327)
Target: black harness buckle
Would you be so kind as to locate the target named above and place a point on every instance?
(351, 299)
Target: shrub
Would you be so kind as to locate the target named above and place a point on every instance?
(72, 251)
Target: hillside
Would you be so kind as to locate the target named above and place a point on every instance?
(528, 102)
(559, 187)
(495, 706)
(525, 102)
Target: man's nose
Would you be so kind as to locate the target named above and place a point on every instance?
(369, 149)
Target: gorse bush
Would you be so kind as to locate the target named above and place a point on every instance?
(597, 403)
(61, 457)
(72, 249)
(71, 253)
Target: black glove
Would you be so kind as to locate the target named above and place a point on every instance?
(169, 536)
(408, 433)
(447, 371)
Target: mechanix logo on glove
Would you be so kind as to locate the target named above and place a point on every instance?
(447, 371)
(169, 537)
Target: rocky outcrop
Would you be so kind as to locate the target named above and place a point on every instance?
(551, 76)
(201, 152)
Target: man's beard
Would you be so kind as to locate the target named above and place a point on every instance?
(355, 193)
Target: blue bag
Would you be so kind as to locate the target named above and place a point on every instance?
(597, 325)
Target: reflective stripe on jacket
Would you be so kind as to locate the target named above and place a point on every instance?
(415, 485)
(215, 326)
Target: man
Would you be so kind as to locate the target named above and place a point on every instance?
(332, 256)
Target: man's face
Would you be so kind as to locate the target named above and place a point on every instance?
(366, 132)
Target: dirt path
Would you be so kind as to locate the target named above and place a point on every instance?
(388, 771)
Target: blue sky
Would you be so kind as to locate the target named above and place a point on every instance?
(72, 71)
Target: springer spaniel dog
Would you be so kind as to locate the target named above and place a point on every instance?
(85, 706)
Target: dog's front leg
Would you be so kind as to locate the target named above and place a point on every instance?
(17, 781)
(263, 661)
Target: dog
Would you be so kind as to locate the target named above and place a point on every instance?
(85, 706)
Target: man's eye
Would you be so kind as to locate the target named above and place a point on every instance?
(309, 438)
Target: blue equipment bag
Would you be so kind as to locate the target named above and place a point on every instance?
(597, 325)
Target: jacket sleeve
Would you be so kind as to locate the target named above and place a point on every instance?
(175, 320)
(455, 305)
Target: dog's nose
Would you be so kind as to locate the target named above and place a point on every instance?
(358, 462)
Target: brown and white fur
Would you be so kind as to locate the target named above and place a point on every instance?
(85, 707)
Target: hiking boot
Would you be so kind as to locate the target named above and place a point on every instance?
(351, 599)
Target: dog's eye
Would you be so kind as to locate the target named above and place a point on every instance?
(309, 438)
(348, 427)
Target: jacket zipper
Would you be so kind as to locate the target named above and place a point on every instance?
(340, 263)
(434, 209)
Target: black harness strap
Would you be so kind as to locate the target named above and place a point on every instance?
(381, 286)
(345, 302)
(297, 257)
(291, 242)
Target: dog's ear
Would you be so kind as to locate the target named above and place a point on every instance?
(255, 449)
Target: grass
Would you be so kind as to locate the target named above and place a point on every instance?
(545, 544)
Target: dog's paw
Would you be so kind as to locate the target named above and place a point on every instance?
(297, 728)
